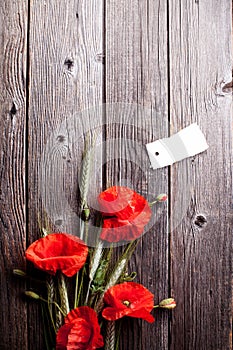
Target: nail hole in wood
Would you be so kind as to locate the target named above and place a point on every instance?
(77, 16)
(61, 138)
(157, 153)
(69, 64)
(200, 221)
(100, 57)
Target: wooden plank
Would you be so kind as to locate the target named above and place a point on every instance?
(66, 78)
(136, 76)
(201, 246)
(13, 43)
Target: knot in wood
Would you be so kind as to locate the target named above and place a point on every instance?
(61, 138)
(69, 64)
(228, 88)
(13, 110)
(200, 221)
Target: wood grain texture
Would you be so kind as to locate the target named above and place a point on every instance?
(159, 65)
(201, 246)
(136, 77)
(13, 40)
(65, 79)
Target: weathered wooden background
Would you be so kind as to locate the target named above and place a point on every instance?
(173, 57)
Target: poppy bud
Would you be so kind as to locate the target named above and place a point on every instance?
(161, 197)
(31, 294)
(167, 303)
(19, 273)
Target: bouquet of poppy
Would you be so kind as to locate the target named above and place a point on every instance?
(86, 316)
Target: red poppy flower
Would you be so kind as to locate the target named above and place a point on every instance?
(81, 331)
(125, 214)
(128, 299)
(58, 251)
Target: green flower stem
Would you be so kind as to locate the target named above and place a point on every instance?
(77, 287)
(50, 315)
(129, 251)
(56, 304)
(118, 334)
(156, 306)
(36, 296)
(81, 286)
(130, 247)
(23, 275)
(76, 291)
(48, 337)
(152, 203)
(162, 197)
(33, 295)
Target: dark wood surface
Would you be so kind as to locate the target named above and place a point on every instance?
(13, 45)
(201, 245)
(159, 66)
(137, 77)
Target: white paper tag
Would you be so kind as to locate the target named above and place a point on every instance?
(186, 143)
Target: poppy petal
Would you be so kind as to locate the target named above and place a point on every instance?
(58, 251)
(128, 299)
(113, 314)
(62, 337)
(143, 314)
(125, 214)
(115, 199)
(80, 331)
